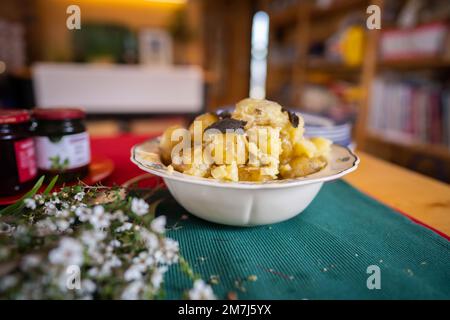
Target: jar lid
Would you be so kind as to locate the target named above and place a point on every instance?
(58, 113)
(11, 116)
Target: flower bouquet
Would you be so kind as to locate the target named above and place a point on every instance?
(87, 242)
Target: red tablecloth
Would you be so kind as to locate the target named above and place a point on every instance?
(117, 148)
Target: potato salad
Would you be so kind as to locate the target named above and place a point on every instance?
(257, 141)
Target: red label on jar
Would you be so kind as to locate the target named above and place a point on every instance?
(25, 159)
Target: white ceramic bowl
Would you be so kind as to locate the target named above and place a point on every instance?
(243, 203)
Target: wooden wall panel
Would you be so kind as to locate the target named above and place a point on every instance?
(227, 28)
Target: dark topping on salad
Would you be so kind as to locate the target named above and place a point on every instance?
(293, 117)
(224, 114)
(228, 123)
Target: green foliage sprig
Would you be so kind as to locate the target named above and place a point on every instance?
(85, 242)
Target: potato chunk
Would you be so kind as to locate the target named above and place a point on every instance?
(166, 144)
(226, 172)
(260, 113)
(306, 148)
(205, 119)
(302, 166)
(323, 146)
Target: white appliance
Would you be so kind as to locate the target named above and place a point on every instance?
(119, 88)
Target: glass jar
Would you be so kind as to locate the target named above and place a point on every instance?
(62, 143)
(17, 153)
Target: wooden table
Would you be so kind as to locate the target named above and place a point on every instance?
(423, 199)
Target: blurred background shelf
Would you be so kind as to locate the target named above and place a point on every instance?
(285, 16)
(435, 150)
(414, 64)
(336, 8)
(332, 67)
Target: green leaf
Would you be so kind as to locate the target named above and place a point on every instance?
(51, 185)
(152, 208)
(187, 270)
(18, 206)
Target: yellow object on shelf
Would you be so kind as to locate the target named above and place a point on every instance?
(352, 45)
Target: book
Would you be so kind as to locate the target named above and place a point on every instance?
(413, 110)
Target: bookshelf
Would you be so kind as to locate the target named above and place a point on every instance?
(435, 150)
(307, 24)
(296, 27)
(415, 64)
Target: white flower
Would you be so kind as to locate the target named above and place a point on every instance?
(30, 261)
(132, 291)
(88, 286)
(119, 215)
(83, 213)
(201, 291)
(79, 196)
(134, 272)
(96, 256)
(30, 203)
(93, 272)
(150, 239)
(108, 265)
(56, 199)
(114, 261)
(99, 218)
(62, 213)
(170, 249)
(126, 226)
(7, 282)
(45, 227)
(158, 277)
(50, 208)
(159, 224)
(69, 252)
(91, 238)
(38, 198)
(139, 206)
(20, 231)
(115, 243)
(145, 259)
(62, 224)
(140, 264)
(61, 280)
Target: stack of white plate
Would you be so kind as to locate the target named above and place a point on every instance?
(317, 126)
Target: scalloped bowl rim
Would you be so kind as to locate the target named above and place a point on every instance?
(157, 168)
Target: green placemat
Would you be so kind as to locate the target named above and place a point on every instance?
(322, 253)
